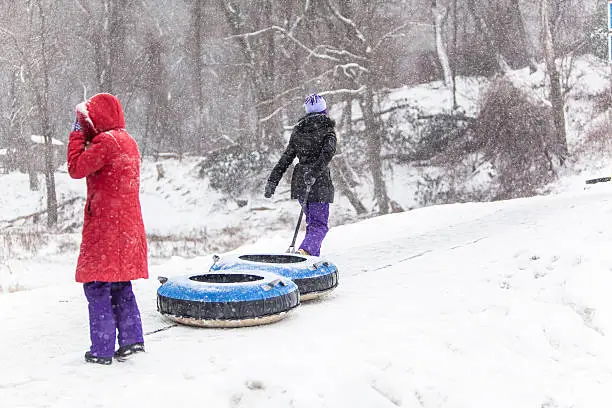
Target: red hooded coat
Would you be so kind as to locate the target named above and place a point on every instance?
(114, 246)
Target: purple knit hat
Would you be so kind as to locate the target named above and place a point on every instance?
(315, 103)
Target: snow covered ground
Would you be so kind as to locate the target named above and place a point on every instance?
(501, 304)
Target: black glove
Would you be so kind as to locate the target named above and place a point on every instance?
(269, 190)
(309, 179)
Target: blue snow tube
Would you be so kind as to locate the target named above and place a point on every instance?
(233, 298)
(314, 276)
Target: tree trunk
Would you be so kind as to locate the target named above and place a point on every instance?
(438, 17)
(145, 138)
(455, 54)
(106, 80)
(32, 174)
(556, 95)
(269, 131)
(98, 56)
(260, 71)
(108, 40)
(372, 131)
(197, 66)
(374, 147)
(43, 106)
(157, 96)
(523, 36)
(341, 171)
(116, 38)
(482, 26)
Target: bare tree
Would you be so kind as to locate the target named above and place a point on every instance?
(359, 52)
(259, 57)
(488, 34)
(41, 92)
(105, 28)
(32, 50)
(517, 16)
(195, 50)
(344, 175)
(439, 15)
(352, 60)
(556, 94)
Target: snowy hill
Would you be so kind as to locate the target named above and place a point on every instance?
(501, 304)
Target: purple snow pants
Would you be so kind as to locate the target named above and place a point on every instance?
(317, 215)
(112, 308)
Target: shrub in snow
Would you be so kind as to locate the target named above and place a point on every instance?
(233, 169)
(439, 134)
(515, 131)
(595, 149)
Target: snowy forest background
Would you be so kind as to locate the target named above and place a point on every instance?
(217, 84)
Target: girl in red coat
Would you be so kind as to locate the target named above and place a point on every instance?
(113, 247)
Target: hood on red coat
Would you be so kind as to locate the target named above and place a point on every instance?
(100, 113)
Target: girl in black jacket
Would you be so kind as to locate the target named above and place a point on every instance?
(313, 142)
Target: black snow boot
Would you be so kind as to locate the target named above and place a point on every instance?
(98, 360)
(125, 351)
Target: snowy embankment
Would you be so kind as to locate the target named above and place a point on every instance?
(182, 215)
(486, 305)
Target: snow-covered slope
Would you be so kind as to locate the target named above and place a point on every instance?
(182, 214)
(501, 304)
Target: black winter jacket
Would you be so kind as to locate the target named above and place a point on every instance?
(313, 142)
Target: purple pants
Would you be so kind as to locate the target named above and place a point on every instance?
(112, 308)
(317, 215)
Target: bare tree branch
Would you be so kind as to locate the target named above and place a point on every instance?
(311, 52)
(340, 53)
(273, 114)
(343, 91)
(78, 2)
(393, 32)
(313, 79)
(333, 92)
(347, 21)
(10, 63)
(17, 45)
(299, 18)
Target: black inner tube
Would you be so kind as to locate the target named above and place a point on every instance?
(273, 258)
(225, 278)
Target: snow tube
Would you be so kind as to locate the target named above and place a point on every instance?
(314, 276)
(233, 298)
